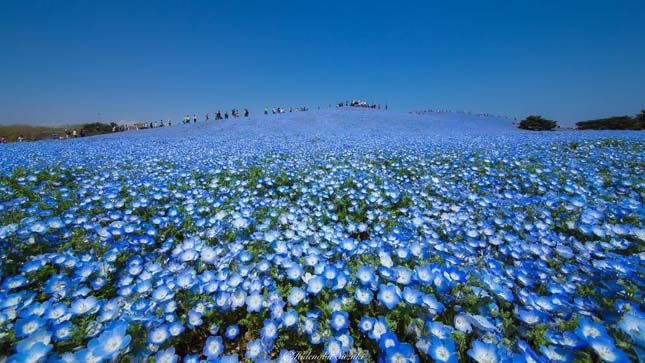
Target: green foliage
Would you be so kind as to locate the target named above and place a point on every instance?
(537, 123)
(614, 123)
(33, 133)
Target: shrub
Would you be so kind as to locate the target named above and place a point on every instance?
(537, 123)
(614, 123)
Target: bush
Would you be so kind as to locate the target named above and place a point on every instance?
(641, 119)
(537, 123)
(614, 123)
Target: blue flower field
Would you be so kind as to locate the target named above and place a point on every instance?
(356, 235)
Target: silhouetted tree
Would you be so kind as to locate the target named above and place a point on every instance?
(537, 123)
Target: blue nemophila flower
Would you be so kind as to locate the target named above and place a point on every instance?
(62, 332)
(232, 331)
(412, 296)
(254, 302)
(363, 295)
(41, 336)
(439, 330)
(213, 347)
(294, 273)
(530, 317)
(290, 318)
(254, 349)
(296, 296)
(166, 356)
(158, 335)
(607, 350)
(334, 349)
(463, 323)
(36, 353)
(286, 356)
(26, 327)
(633, 323)
(175, 328)
(400, 353)
(339, 320)
(14, 282)
(379, 328)
(588, 329)
(231, 358)
(389, 295)
(556, 354)
(483, 352)
(365, 275)
(388, 340)
(269, 331)
(481, 323)
(315, 285)
(194, 319)
(366, 324)
(83, 305)
(443, 350)
(113, 341)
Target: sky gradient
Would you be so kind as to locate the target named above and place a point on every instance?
(69, 61)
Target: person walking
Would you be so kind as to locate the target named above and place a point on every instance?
(246, 112)
(74, 133)
(266, 111)
(206, 117)
(194, 118)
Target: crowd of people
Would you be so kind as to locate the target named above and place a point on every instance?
(359, 103)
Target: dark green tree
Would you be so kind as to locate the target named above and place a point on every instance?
(640, 118)
(537, 123)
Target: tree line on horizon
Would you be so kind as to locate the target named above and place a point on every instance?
(539, 123)
(34, 133)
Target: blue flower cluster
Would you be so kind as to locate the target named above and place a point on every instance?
(411, 242)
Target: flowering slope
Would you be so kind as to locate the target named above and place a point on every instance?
(383, 236)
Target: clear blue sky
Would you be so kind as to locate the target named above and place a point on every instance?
(67, 61)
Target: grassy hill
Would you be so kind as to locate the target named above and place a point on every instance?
(32, 133)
